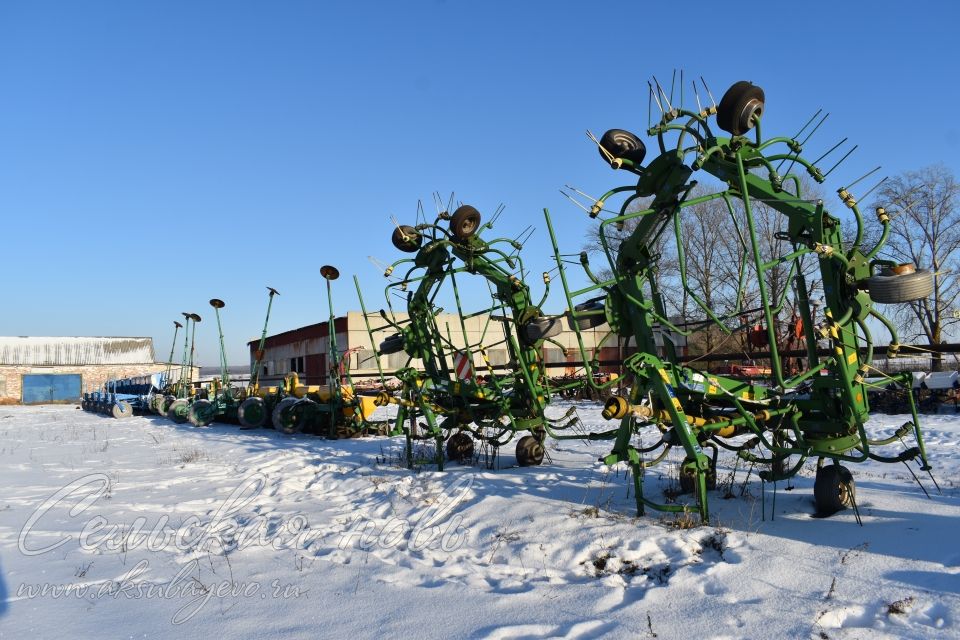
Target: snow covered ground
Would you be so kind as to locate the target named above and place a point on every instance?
(145, 528)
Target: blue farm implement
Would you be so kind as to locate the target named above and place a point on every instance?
(122, 398)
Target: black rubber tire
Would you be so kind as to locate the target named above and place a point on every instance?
(393, 344)
(529, 451)
(406, 239)
(542, 328)
(277, 416)
(252, 413)
(464, 223)
(179, 410)
(202, 413)
(163, 405)
(907, 287)
(588, 322)
(833, 489)
(622, 144)
(460, 447)
(737, 107)
(295, 420)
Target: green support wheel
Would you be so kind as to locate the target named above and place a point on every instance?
(252, 413)
(299, 415)
(179, 410)
(163, 404)
(202, 413)
(280, 415)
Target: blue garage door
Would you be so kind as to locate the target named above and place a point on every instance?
(44, 388)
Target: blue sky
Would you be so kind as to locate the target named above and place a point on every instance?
(154, 155)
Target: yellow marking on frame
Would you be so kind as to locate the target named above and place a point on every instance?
(852, 358)
(859, 397)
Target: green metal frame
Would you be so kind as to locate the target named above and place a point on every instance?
(819, 411)
(492, 408)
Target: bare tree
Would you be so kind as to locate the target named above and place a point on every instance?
(925, 231)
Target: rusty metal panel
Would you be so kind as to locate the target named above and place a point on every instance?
(57, 351)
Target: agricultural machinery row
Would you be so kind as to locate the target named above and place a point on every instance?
(333, 410)
(452, 395)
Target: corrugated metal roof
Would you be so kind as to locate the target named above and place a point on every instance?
(36, 351)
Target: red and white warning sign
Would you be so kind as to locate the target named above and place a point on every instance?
(463, 366)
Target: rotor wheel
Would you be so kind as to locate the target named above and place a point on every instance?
(460, 447)
(252, 413)
(279, 415)
(464, 223)
(833, 489)
(121, 410)
(406, 239)
(892, 288)
(202, 413)
(739, 106)
(529, 451)
(620, 143)
(179, 410)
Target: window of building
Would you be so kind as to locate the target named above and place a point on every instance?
(296, 364)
